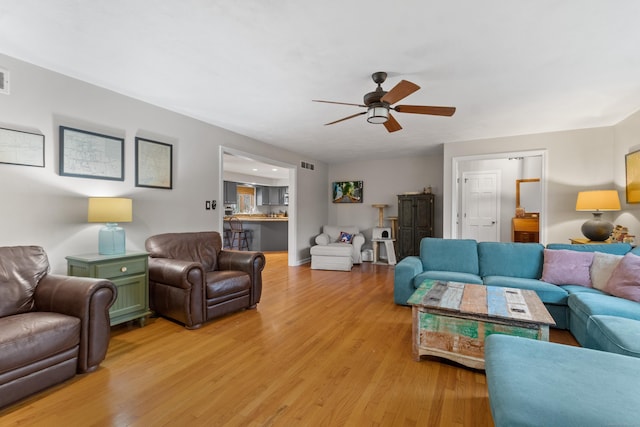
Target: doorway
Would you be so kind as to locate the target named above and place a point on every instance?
(512, 166)
(286, 176)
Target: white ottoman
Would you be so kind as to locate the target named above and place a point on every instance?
(334, 256)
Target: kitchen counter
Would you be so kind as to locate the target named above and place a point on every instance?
(259, 218)
(265, 233)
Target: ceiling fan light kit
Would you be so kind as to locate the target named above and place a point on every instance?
(378, 114)
(378, 103)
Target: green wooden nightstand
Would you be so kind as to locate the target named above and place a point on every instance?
(129, 272)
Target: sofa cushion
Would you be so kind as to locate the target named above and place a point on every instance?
(602, 267)
(21, 268)
(333, 231)
(614, 334)
(547, 292)
(625, 279)
(333, 249)
(565, 267)
(510, 259)
(28, 338)
(227, 284)
(614, 248)
(459, 255)
(587, 304)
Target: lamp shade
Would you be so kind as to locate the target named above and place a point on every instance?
(110, 209)
(378, 114)
(599, 200)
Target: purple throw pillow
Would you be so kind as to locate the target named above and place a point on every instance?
(625, 279)
(567, 267)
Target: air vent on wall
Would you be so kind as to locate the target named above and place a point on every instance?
(4, 81)
(306, 165)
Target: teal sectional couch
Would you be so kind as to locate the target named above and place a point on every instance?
(590, 314)
(537, 383)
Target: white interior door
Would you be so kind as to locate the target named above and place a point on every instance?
(480, 209)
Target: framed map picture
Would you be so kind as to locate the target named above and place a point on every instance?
(21, 148)
(154, 164)
(91, 155)
(632, 168)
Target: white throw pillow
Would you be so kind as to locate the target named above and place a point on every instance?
(602, 267)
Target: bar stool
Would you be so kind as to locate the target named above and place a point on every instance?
(226, 233)
(238, 234)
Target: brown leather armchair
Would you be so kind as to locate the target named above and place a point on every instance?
(192, 280)
(51, 326)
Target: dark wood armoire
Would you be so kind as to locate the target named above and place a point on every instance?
(415, 221)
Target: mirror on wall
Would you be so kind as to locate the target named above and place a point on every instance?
(528, 195)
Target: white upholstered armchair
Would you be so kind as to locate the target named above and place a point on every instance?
(337, 248)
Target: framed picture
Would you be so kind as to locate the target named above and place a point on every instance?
(21, 148)
(91, 155)
(154, 164)
(346, 192)
(632, 167)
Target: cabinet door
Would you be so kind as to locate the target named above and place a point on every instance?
(274, 195)
(423, 220)
(230, 192)
(415, 222)
(405, 226)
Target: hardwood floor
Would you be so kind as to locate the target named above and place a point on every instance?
(323, 348)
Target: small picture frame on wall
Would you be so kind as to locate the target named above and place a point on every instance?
(346, 192)
(154, 164)
(87, 154)
(632, 169)
(21, 148)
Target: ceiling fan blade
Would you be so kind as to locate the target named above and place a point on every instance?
(346, 118)
(392, 124)
(400, 91)
(424, 109)
(341, 103)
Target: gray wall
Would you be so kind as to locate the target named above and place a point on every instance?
(40, 207)
(383, 180)
(576, 160)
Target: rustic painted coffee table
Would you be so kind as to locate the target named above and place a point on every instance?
(451, 320)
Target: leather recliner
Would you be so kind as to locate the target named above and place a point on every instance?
(51, 326)
(192, 280)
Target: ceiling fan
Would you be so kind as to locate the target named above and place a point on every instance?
(378, 103)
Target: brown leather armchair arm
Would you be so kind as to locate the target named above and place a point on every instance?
(175, 272)
(87, 299)
(251, 262)
(176, 290)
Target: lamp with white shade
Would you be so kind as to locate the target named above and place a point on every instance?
(111, 211)
(598, 201)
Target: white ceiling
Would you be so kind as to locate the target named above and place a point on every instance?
(253, 66)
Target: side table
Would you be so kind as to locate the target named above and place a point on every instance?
(129, 272)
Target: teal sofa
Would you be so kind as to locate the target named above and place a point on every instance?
(590, 314)
(538, 383)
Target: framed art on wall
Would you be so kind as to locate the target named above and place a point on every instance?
(154, 164)
(632, 168)
(21, 148)
(87, 154)
(346, 192)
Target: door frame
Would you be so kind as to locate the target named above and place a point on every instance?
(292, 212)
(456, 196)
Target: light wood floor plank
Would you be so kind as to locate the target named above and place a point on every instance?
(323, 348)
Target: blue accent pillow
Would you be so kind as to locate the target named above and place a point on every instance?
(345, 237)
